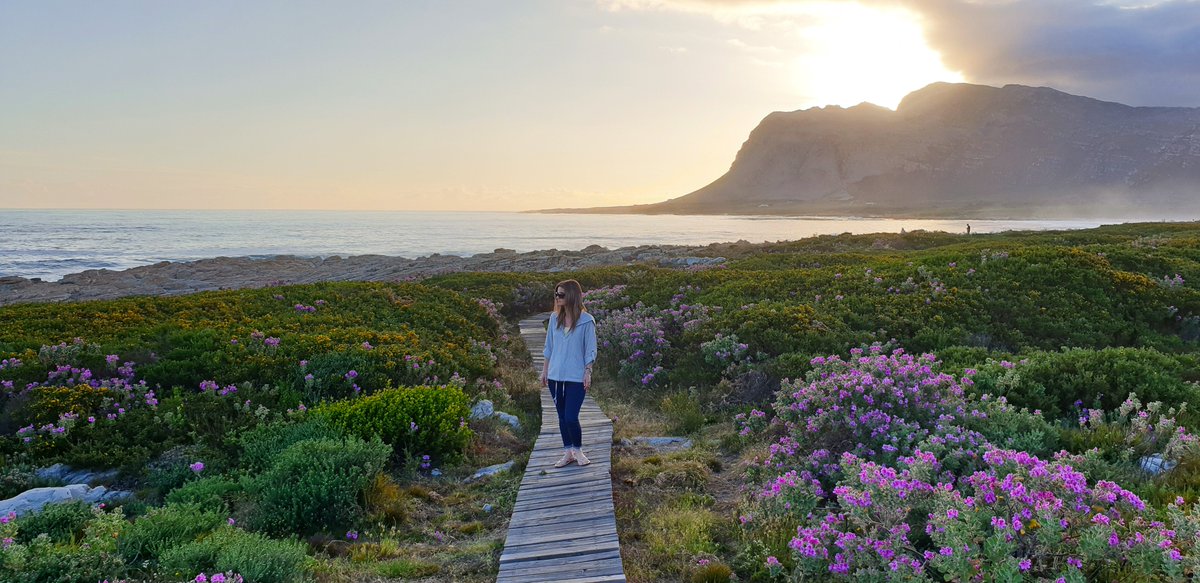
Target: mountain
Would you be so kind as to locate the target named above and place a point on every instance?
(962, 150)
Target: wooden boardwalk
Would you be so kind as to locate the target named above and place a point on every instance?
(563, 528)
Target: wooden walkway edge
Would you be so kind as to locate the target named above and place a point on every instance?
(563, 528)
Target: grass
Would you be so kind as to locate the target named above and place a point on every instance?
(675, 510)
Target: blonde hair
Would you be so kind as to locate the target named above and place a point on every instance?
(572, 304)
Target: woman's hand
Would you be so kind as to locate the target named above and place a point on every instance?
(545, 382)
(587, 380)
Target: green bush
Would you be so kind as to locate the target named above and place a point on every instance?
(317, 484)
(61, 522)
(262, 445)
(413, 420)
(1055, 381)
(93, 558)
(255, 557)
(210, 492)
(683, 410)
(16, 479)
(165, 528)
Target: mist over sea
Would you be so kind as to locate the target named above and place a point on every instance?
(51, 243)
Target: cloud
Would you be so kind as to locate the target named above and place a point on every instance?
(1145, 54)
(1140, 53)
(743, 46)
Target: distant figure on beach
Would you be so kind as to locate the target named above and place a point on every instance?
(968, 228)
(570, 352)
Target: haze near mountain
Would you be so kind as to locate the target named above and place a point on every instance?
(962, 150)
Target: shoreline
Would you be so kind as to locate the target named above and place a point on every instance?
(169, 278)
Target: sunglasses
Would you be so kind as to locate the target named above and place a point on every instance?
(560, 295)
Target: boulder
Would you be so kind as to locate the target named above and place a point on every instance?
(36, 499)
(1156, 464)
(490, 470)
(482, 410)
(509, 419)
(662, 443)
(66, 475)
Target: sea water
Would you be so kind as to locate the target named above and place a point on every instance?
(52, 243)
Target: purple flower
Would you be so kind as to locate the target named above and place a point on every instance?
(352, 535)
(1025, 564)
(197, 467)
(351, 375)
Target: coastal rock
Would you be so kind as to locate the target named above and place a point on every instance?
(489, 471)
(1156, 464)
(176, 278)
(66, 475)
(482, 410)
(661, 443)
(485, 409)
(36, 499)
(509, 419)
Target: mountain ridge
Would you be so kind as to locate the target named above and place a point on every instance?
(960, 150)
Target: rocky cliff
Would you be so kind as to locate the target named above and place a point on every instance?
(955, 150)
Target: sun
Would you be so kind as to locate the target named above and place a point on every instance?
(856, 53)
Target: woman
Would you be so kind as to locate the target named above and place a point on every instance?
(570, 351)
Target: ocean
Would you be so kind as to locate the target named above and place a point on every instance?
(51, 243)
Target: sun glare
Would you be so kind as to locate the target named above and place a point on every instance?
(857, 53)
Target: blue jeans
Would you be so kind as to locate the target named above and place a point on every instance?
(568, 398)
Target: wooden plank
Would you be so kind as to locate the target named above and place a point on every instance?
(568, 524)
(620, 578)
(557, 569)
(536, 538)
(583, 550)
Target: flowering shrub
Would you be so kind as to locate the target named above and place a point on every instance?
(875, 406)
(632, 342)
(602, 301)
(891, 468)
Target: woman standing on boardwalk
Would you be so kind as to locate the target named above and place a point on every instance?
(570, 351)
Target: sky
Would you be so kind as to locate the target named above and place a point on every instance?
(503, 105)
